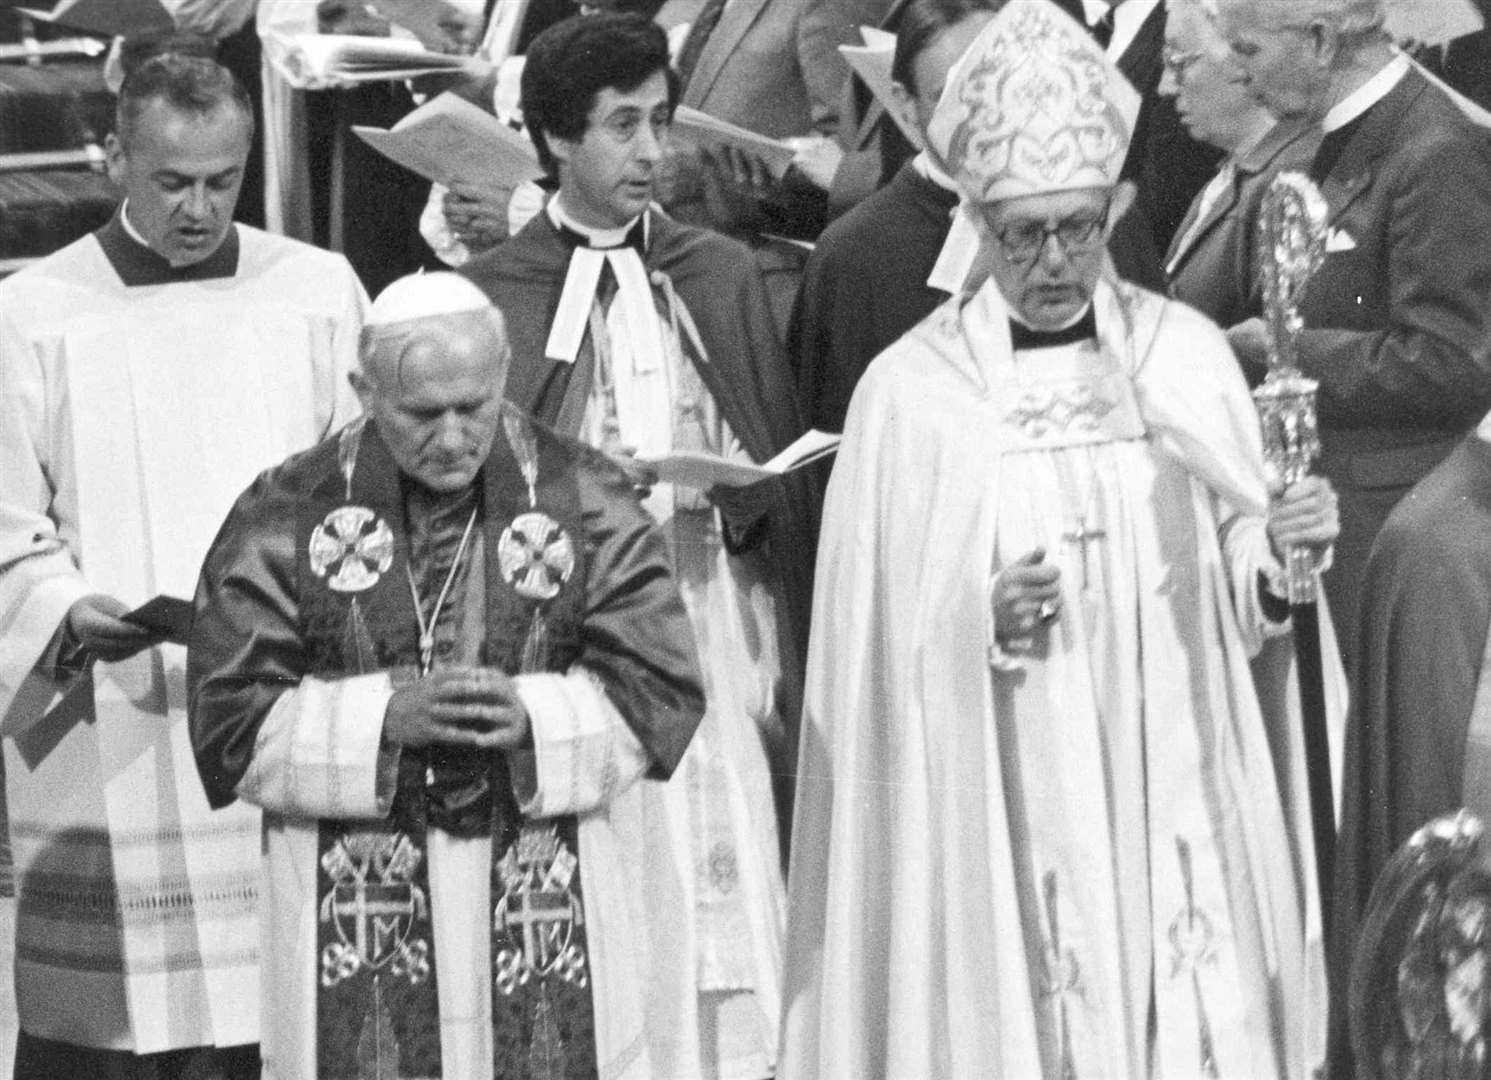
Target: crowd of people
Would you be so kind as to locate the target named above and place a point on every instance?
(429, 686)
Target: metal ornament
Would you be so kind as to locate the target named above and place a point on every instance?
(536, 555)
(354, 545)
(375, 907)
(1292, 229)
(538, 912)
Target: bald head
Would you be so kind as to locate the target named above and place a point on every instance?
(432, 383)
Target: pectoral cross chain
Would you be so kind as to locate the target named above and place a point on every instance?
(1084, 534)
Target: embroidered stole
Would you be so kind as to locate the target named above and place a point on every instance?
(377, 1004)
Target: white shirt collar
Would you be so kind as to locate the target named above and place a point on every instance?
(129, 229)
(928, 170)
(1366, 95)
(600, 238)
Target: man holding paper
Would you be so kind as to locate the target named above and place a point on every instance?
(146, 373)
(646, 338)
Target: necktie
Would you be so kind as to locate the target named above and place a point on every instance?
(1331, 149)
(693, 45)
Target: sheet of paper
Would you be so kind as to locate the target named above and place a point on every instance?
(349, 58)
(704, 471)
(699, 127)
(872, 62)
(1432, 22)
(111, 18)
(449, 139)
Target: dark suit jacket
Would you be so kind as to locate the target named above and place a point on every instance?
(1168, 165)
(1398, 319)
(1210, 265)
(772, 66)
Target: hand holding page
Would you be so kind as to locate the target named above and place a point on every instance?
(168, 616)
(449, 140)
(704, 471)
(702, 129)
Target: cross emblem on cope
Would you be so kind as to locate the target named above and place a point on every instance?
(536, 556)
(538, 913)
(374, 905)
(354, 545)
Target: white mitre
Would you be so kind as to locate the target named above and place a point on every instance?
(424, 296)
(1033, 106)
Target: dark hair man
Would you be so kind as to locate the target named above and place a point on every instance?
(647, 338)
(146, 372)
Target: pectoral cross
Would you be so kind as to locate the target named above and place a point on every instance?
(1084, 534)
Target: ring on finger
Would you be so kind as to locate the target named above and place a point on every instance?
(1048, 610)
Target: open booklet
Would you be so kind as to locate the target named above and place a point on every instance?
(353, 58)
(704, 471)
(700, 128)
(110, 18)
(448, 139)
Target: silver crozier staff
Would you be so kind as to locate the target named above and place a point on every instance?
(1292, 232)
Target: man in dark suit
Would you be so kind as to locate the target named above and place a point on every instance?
(1210, 264)
(1398, 320)
(772, 66)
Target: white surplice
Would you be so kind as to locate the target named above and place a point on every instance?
(317, 756)
(712, 828)
(130, 419)
(1013, 868)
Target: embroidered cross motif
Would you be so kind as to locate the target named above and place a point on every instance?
(538, 912)
(354, 545)
(1191, 942)
(1061, 977)
(1046, 412)
(374, 905)
(536, 555)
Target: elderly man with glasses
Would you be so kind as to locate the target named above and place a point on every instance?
(1038, 828)
(1210, 264)
(1398, 319)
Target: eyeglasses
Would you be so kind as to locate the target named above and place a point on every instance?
(1023, 241)
(1178, 63)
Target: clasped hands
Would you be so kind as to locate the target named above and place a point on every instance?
(474, 707)
(1026, 596)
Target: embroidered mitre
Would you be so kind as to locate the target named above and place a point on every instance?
(1033, 106)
